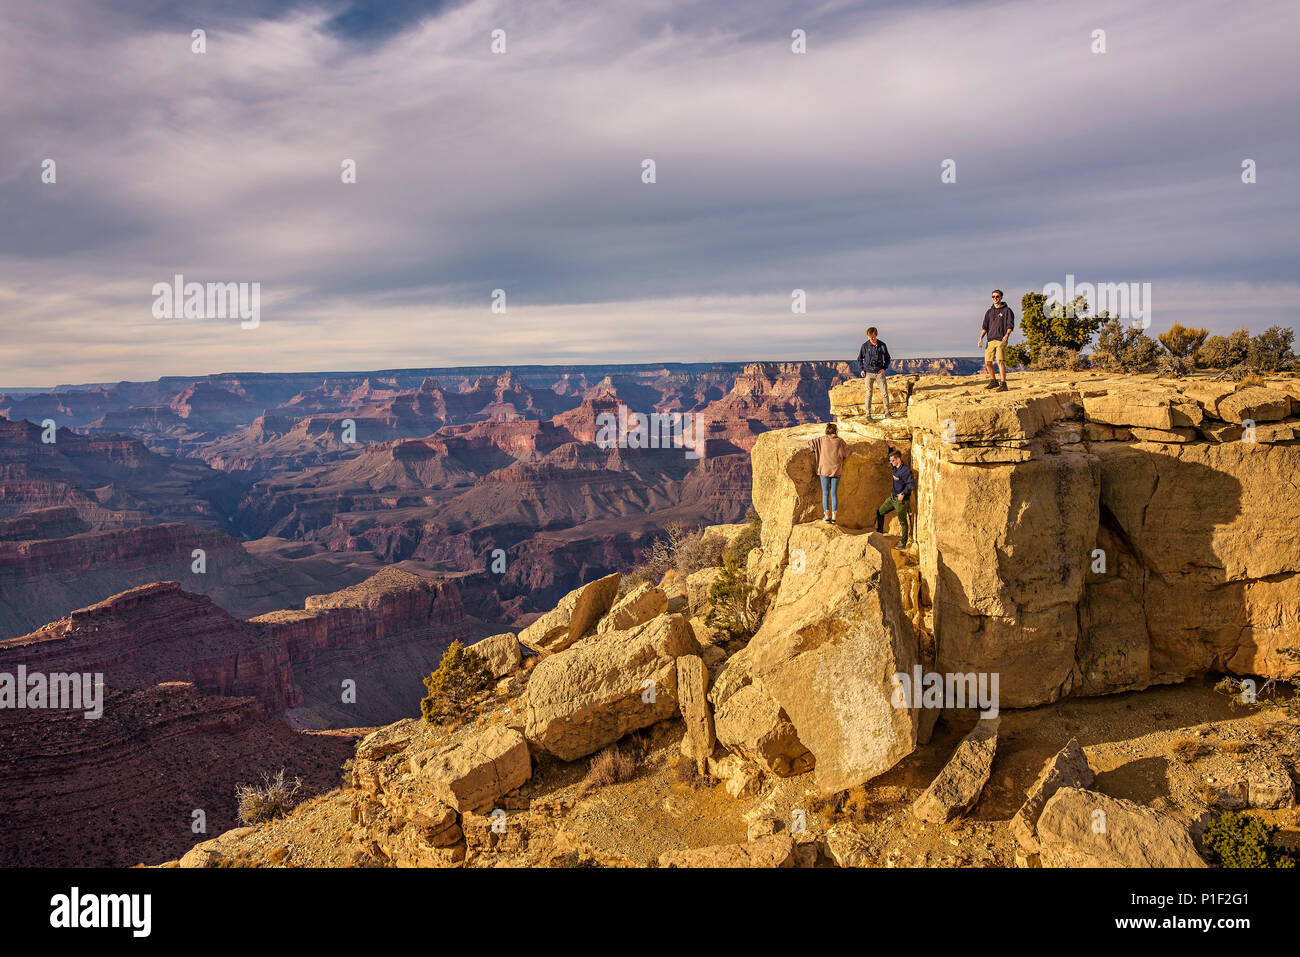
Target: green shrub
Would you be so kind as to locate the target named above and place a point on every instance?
(1056, 324)
(1270, 351)
(1018, 357)
(274, 798)
(737, 609)
(1234, 840)
(461, 676)
(1123, 348)
(1224, 352)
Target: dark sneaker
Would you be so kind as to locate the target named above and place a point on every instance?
(902, 544)
(1002, 387)
(992, 384)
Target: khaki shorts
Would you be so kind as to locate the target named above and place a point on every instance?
(996, 351)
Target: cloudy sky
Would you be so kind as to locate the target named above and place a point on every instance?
(523, 171)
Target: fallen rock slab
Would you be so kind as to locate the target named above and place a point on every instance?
(575, 615)
(1068, 768)
(954, 792)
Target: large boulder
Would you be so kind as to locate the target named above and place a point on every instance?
(1081, 828)
(590, 695)
(956, 789)
(752, 724)
(1068, 768)
(787, 491)
(828, 649)
(575, 615)
(638, 606)
(469, 775)
(501, 654)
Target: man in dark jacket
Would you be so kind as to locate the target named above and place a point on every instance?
(998, 323)
(904, 486)
(873, 360)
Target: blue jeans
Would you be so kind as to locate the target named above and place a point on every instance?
(829, 484)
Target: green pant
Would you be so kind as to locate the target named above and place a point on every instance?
(892, 504)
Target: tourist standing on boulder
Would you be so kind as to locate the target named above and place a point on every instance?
(904, 485)
(831, 451)
(998, 323)
(873, 360)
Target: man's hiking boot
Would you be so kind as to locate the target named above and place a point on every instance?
(902, 545)
(1002, 387)
(992, 384)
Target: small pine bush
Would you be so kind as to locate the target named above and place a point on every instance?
(750, 537)
(1224, 352)
(460, 677)
(1235, 840)
(736, 609)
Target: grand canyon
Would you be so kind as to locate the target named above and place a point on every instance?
(264, 568)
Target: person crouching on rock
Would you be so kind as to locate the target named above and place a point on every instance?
(830, 450)
(904, 485)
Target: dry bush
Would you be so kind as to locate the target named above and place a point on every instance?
(274, 798)
(1250, 380)
(681, 551)
(687, 773)
(1172, 367)
(1182, 342)
(611, 766)
(1188, 750)
(1237, 747)
(1061, 357)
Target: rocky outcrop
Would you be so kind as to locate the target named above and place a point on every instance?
(775, 850)
(1081, 828)
(588, 696)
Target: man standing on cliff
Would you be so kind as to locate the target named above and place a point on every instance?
(873, 360)
(904, 485)
(998, 323)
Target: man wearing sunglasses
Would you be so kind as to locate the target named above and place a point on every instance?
(998, 323)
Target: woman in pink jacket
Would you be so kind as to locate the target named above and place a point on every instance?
(831, 451)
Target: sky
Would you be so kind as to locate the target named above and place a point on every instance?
(522, 171)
